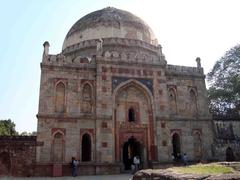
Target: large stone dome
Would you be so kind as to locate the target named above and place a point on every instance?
(109, 22)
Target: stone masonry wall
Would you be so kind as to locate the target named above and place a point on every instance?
(17, 155)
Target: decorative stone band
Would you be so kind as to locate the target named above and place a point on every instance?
(68, 118)
(112, 41)
(182, 118)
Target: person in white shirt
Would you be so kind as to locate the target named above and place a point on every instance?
(136, 162)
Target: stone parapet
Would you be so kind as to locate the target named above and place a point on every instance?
(66, 116)
(61, 60)
(174, 70)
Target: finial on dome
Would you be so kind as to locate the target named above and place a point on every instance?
(198, 60)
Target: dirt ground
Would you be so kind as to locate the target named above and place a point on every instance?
(96, 177)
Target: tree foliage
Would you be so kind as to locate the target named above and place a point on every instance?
(25, 133)
(7, 127)
(224, 80)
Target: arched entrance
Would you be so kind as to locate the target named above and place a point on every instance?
(176, 145)
(229, 154)
(133, 116)
(131, 148)
(5, 164)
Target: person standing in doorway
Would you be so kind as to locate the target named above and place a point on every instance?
(136, 162)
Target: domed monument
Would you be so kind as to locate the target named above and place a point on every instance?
(110, 96)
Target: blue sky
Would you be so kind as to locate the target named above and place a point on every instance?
(186, 29)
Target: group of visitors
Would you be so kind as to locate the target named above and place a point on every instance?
(180, 158)
(136, 164)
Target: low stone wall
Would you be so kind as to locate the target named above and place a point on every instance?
(220, 151)
(227, 137)
(17, 155)
(18, 158)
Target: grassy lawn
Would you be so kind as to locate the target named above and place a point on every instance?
(212, 168)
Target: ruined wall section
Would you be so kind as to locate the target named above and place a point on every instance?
(227, 137)
(17, 155)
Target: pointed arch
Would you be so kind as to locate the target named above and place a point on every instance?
(87, 98)
(58, 146)
(87, 91)
(197, 145)
(176, 145)
(60, 97)
(135, 83)
(229, 154)
(141, 99)
(193, 101)
(172, 95)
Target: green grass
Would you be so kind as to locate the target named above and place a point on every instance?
(212, 168)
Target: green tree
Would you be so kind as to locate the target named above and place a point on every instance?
(7, 127)
(224, 81)
(24, 133)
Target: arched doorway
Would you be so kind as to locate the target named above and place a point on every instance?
(131, 148)
(229, 154)
(133, 115)
(176, 145)
(86, 147)
(5, 164)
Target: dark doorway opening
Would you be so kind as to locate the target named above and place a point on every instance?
(86, 147)
(229, 154)
(5, 164)
(131, 148)
(131, 115)
(176, 146)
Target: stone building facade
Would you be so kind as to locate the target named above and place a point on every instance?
(110, 95)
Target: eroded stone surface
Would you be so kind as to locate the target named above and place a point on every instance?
(168, 175)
